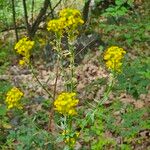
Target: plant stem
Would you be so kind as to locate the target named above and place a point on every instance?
(35, 76)
(72, 65)
(104, 99)
(72, 84)
(51, 112)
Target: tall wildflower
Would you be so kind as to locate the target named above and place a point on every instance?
(13, 98)
(68, 21)
(66, 103)
(23, 47)
(113, 57)
(56, 25)
(72, 18)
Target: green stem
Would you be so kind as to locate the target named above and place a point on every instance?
(72, 75)
(107, 93)
(70, 130)
(60, 56)
(58, 48)
(104, 99)
(35, 76)
(71, 87)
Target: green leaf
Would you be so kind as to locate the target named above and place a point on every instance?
(3, 110)
(119, 2)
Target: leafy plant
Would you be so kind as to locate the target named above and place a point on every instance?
(129, 125)
(118, 9)
(29, 136)
(135, 78)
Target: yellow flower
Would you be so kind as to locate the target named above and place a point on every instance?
(56, 25)
(69, 20)
(73, 18)
(70, 137)
(22, 62)
(113, 57)
(13, 98)
(65, 103)
(23, 47)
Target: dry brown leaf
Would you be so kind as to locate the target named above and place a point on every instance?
(139, 104)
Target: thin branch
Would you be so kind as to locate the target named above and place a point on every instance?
(32, 10)
(14, 20)
(26, 17)
(56, 5)
(52, 10)
(39, 18)
(32, 70)
(55, 85)
(84, 47)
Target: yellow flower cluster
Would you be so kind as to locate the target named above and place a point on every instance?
(113, 57)
(72, 17)
(56, 25)
(23, 47)
(70, 138)
(65, 103)
(69, 20)
(13, 98)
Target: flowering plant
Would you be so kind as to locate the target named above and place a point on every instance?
(13, 98)
(23, 47)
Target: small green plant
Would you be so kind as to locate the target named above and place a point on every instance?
(118, 10)
(28, 136)
(98, 129)
(135, 78)
(129, 125)
(4, 119)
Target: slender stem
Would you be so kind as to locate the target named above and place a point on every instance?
(107, 93)
(104, 99)
(88, 44)
(72, 76)
(60, 57)
(58, 47)
(51, 112)
(35, 76)
(72, 65)
(56, 79)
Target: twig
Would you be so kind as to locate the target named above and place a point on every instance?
(50, 95)
(14, 20)
(50, 6)
(55, 84)
(51, 113)
(84, 47)
(32, 10)
(52, 10)
(39, 18)
(26, 18)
